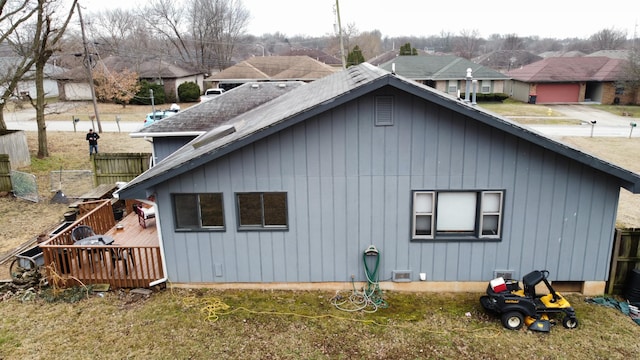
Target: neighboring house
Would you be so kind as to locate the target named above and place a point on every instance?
(573, 80)
(175, 131)
(505, 60)
(294, 191)
(28, 85)
(447, 73)
(73, 84)
(270, 68)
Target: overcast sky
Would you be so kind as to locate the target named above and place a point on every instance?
(543, 18)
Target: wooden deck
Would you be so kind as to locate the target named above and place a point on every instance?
(132, 260)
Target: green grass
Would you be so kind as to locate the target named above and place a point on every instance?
(633, 110)
(235, 324)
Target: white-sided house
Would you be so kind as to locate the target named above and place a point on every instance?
(28, 85)
(175, 131)
(293, 192)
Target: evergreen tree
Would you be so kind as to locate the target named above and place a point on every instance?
(406, 49)
(355, 57)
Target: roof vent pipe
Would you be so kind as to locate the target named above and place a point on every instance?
(468, 87)
(393, 68)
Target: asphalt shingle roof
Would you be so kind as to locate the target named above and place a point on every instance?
(597, 68)
(150, 69)
(217, 110)
(440, 67)
(276, 68)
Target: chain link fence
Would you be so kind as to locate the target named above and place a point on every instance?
(25, 185)
(73, 183)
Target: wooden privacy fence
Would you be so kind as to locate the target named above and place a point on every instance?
(5, 173)
(14, 144)
(109, 168)
(626, 257)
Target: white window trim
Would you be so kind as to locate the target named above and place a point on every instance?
(485, 87)
(484, 199)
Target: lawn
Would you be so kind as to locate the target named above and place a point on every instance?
(233, 324)
(204, 324)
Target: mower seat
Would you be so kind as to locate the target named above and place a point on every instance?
(530, 281)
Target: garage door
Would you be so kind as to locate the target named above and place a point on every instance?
(558, 93)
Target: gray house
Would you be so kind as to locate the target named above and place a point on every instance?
(175, 131)
(293, 192)
(447, 73)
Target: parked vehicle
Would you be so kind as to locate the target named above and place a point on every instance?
(159, 115)
(211, 93)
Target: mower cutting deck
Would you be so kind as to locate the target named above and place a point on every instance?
(518, 307)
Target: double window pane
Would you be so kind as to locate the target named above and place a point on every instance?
(198, 211)
(262, 210)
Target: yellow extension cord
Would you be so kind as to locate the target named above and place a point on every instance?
(213, 307)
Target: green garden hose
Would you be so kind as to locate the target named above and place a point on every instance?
(370, 298)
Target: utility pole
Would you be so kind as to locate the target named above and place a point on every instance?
(89, 66)
(344, 59)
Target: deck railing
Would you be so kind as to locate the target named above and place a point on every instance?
(122, 265)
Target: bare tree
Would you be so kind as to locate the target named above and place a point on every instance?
(204, 34)
(114, 29)
(37, 40)
(467, 43)
(512, 42)
(608, 39)
(370, 42)
(12, 15)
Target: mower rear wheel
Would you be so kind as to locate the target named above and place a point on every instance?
(513, 320)
(570, 322)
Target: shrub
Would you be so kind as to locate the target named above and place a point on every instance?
(497, 97)
(189, 92)
(143, 97)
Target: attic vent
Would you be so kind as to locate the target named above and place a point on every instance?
(255, 86)
(384, 111)
(282, 85)
(217, 133)
(401, 275)
(505, 274)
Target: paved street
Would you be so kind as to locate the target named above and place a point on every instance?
(26, 120)
(607, 124)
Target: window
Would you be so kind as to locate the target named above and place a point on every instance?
(452, 87)
(485, 88)
(198, 211)
(258, 211)
(457, 214)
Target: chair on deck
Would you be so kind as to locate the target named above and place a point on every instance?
(144, 214)
(81, 232)
(124, 255)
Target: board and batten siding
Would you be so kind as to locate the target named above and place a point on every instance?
(165, 146)
(349, 185)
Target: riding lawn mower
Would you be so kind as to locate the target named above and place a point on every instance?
(517, 306)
